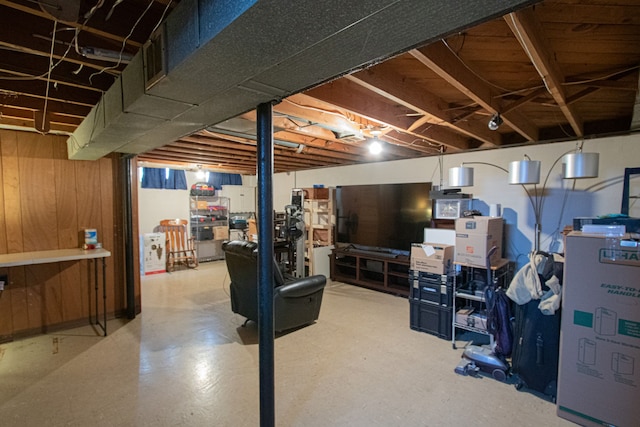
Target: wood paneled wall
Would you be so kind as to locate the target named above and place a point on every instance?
(46, 202)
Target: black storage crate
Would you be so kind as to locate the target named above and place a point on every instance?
(434, 288)
(431, 318)
(202, 233)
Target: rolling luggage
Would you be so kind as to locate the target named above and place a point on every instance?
(536, 349)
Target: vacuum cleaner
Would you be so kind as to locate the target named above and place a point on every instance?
(476, 358)
(480, 358)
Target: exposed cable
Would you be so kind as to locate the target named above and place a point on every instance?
(605, 77)
(162, 17)
(46, 96)
(91, 11)
(529, 55)
(124, 42)
(471, 70)
(51, 67)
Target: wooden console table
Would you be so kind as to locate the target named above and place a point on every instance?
(382, 272)
(60, 255)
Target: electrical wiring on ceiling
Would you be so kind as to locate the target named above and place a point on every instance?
(124, 42)
(46, 97)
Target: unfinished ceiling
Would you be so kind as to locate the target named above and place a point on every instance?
(553, 71)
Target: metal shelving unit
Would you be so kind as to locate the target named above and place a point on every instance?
(465, 295)
(209, 225)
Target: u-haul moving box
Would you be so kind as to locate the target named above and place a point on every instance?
(599, 369)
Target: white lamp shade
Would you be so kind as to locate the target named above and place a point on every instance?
(524, 172)
(581, 165)
(461, 177)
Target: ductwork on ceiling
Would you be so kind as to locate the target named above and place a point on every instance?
(213, 60)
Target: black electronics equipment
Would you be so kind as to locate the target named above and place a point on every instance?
(382, 216)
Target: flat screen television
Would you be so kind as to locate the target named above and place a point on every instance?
(382, 217)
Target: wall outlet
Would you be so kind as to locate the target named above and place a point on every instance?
(3, 282)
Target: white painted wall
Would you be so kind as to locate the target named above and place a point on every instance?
(590, 197)
(155, 205)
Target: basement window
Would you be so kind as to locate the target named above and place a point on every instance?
(163, 178)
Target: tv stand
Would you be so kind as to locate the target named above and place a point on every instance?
(370, 252)
(381, 271)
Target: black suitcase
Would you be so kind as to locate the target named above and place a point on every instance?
(536, 349)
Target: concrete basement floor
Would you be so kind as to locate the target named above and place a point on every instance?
(187, 361)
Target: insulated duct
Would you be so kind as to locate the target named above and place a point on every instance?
(213, 60)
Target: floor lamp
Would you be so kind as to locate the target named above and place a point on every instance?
(577, 165)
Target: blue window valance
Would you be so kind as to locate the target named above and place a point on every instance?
(169, 179)
(218, 179)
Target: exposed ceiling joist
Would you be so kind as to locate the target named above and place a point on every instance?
(527, 30)
(436, 97)
(440, 59)
(340, 93)
(435, 110)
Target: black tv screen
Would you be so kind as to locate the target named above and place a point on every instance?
(382, 216)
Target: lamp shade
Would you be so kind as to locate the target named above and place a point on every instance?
(524, 172)
(461, 177)
(581, 165)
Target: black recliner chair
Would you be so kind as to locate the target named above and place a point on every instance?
(296, 300)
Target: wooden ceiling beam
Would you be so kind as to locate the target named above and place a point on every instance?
(168, 160)
(150, 161)
(336, 150)
(319, 156)
(44, 15)
(341, 93)
(524, 100)
(13, 67)
(331, 117)
(434, 109)
(301, 105)
(231, 147)
(27, 114)
(290, 117)
(448, 66)
(26, 106)
(527, 30)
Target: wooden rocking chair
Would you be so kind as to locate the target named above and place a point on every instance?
(181, 249)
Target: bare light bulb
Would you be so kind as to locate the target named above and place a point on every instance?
(375, 147)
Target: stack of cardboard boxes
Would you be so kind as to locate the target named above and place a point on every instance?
(432, 273)
(475, 237)
(431, 294)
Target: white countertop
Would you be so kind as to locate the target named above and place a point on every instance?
(56, 255)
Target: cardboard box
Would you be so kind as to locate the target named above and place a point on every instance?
(316, 193)
(463, 316)
(220, 233)
(475, 236)
(599, 368)
(433, 258)
(153, 257)
(199, 204)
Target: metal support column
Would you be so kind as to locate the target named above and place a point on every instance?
(265, 263)
(128, 237)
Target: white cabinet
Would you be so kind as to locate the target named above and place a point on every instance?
(242, 197)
